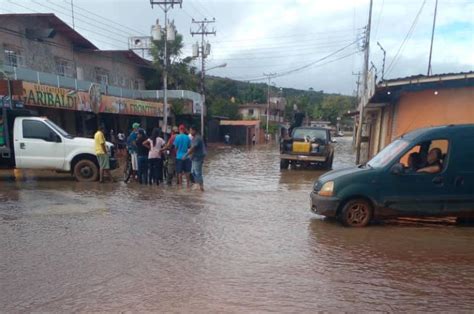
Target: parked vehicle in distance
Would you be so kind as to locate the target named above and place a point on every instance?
(38, 143)
(428, 172)
(307, 146)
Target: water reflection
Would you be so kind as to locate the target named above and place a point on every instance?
(248, 244)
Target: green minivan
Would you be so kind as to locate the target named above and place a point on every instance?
(428, 172)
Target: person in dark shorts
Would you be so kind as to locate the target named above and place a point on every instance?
(142, 157)
(155, 162)
(183, 164)
(197, 153)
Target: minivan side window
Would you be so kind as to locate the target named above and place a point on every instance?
(426, 157)
(37, 130)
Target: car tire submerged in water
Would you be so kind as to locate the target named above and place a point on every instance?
(356, 213)
(284, 164)
(86, 170)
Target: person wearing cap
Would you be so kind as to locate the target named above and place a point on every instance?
(183, 163)
(132, 147)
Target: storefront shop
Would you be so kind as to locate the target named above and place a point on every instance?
(80, 113)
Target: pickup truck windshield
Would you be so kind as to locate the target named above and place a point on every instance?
(311, 133)
(58, 129)
(388, 153)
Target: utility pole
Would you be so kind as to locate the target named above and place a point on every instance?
(204, 52)
(365, 85)
(430, 71)
(165, 5)
(354, 132)
(269, 77)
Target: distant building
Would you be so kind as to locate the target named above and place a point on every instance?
(242, 131)
(255, 111)
(401, 105)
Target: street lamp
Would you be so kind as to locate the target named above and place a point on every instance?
(223, 65)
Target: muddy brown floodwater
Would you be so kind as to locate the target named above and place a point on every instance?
(248, 244)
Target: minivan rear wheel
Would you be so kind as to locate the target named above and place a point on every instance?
(356, 213)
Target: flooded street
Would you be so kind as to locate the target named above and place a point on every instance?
(249, 243)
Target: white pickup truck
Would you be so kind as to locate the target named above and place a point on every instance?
(38, 143)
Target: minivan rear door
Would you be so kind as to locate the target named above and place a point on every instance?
(461, 199)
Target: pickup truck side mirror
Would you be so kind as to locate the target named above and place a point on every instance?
(397, 169)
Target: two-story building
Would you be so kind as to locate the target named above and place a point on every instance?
(255, 111)
(64, 76)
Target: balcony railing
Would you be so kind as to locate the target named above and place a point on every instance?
(272, 118)
(30, 75)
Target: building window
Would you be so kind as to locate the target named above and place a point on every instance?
(13, 57)
(121, 81)
(136, 84)
(102, 76)
(251, 112)
(64, 67)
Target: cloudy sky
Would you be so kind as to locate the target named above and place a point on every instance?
(307, 43)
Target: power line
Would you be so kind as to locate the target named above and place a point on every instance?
(312, 67)
(294, 44)
(91, 31)
(200, 4)
(92, 24)
(199, 12)
(378, 20)
(271, 49)
(280, 56)
(122, 29)
(312, 63)
(108, 20)
(408, 35)
(252, 39)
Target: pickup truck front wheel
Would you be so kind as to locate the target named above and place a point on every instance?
(86, 170)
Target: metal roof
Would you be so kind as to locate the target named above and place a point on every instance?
(391, 90)
(59, 25)
(128, 54)
(417, 79)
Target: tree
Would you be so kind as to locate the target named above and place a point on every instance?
(181, 75)
(223, 107)
(332, 107)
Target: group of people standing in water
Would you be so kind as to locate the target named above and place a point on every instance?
(184, 153)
